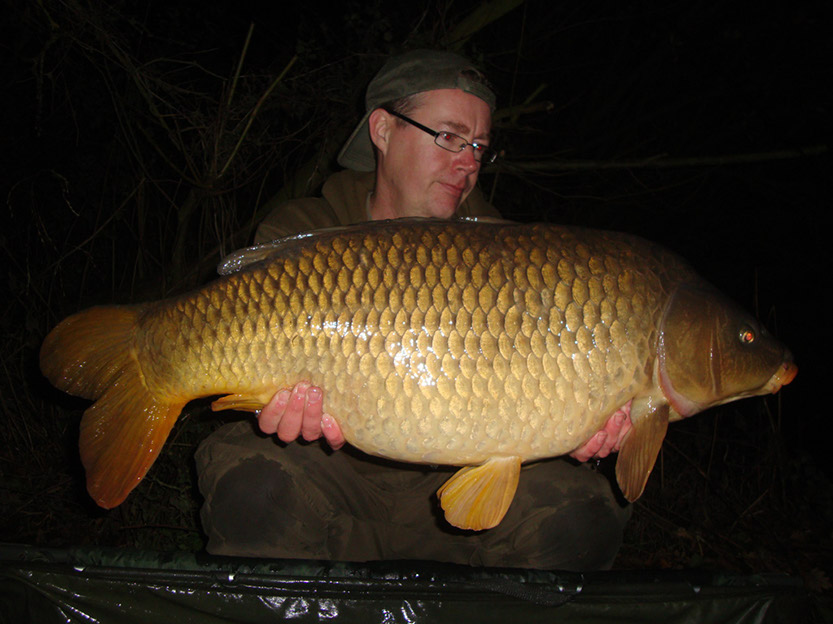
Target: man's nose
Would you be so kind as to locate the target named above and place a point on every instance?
(465, 158)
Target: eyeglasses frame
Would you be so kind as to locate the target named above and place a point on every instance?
(488, 156)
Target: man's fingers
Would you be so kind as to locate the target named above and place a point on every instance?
(625, 425)
(608, 439)
(614, 432)
(272, 412)
(590, 448)
(300, 412)
(289, 426)
(332, 432)
(311, 423)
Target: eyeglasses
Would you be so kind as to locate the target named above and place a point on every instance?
(450, 141)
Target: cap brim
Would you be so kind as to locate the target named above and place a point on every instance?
(357, 153)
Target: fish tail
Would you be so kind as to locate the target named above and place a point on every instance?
(94, 354)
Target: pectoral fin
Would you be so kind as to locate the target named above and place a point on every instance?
(477, 497)
(240, 402)
(640, 449)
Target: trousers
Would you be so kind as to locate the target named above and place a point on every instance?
(263, 498)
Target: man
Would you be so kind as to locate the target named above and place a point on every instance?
(417, 152)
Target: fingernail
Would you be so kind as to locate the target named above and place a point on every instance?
(314, 394)
(299, 397)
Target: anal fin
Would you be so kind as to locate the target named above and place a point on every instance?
(241, 402)
(477, 497)
(641, 446)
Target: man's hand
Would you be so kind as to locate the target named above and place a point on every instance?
(300, 412)
(608, 439)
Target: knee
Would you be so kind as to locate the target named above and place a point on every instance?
(564, 517)
(582, 535)
(256, 508)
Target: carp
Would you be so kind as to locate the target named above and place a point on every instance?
(475, 344)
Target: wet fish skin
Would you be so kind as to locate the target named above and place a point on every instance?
(469, 344)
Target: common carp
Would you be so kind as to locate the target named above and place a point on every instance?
(481, 345)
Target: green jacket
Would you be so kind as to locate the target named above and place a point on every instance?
(343, 202)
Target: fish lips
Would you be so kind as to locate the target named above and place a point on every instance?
(783, 376)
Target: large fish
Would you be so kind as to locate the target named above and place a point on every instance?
(482, 345)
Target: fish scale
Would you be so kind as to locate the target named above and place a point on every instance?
(460, 343)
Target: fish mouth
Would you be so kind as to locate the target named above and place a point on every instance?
(784, 375)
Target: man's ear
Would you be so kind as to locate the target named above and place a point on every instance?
(380, 123)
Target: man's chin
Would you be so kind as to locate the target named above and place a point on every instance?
(445, 212)
(444, 207)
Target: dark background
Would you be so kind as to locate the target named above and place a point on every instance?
(134, 154)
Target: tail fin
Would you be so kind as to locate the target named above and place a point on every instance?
(93, 354)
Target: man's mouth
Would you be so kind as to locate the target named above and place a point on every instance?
(454, 188)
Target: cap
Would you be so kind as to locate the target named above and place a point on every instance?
(404, 75)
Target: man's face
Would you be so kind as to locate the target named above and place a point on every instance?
(415, 176)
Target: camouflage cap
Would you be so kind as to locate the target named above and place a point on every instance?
(404, 75)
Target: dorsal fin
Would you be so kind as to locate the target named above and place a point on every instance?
(241, 258)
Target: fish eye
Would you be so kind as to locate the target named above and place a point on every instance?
(747, 335)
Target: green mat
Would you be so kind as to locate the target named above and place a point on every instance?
(44, 586)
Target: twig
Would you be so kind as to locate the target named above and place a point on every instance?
(223, 116)
(240, 65)
(99, 229)
(527, 108)
(690, 461)
(136, 527)
(477, 20)
(746, 511)
(254, 112)
(661, 161)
